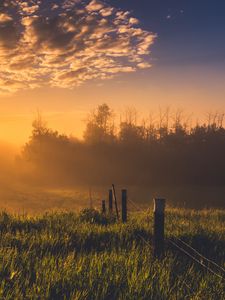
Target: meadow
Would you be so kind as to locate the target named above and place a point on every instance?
(67, 255)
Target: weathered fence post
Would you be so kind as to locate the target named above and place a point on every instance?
(103, 207)
(158, 237)
(116, 206)
(110, 201)
(124, 206)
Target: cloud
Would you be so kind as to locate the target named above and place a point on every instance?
(64, 44)
(133, 21)
(4, 18)
(94, 5)
(107, 11)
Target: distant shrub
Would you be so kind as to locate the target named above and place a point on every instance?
(91, 215)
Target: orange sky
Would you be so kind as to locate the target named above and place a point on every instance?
(64, 58)
(196, 90)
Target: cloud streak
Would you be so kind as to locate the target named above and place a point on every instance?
(64, 44)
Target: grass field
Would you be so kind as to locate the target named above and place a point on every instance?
(77, 256)
(25, 198)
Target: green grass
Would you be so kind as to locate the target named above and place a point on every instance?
(63, 256)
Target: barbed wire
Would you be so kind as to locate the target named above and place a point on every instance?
(195, 259)
(144, 240)
(148, 244)
(137, 207)
(202, 256)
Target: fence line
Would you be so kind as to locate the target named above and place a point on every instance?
(201, 259)
(187, 253)
(195, 259)
(148, 244)
(202, 256)
(135, 205)
(144, 240)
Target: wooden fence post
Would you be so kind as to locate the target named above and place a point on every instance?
(115, 199)
(124, 206)
(103, 207)
(158, 237)
(110, 201)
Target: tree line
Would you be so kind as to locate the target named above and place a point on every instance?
(169, 151)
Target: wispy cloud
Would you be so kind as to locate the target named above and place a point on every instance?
(66, 44)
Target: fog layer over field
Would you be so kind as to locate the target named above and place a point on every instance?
(164, 158)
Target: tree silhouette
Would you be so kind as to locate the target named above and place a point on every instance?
(166, 152)
(100, 126)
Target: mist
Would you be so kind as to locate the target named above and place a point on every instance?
(8, 153)
(167, 157)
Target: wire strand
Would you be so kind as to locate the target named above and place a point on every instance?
(195, 259)
(148, 244)
(144, 240)
(202, 256)
(135, 205)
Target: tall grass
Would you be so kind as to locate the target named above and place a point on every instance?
(67, 256)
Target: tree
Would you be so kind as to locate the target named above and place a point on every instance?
(43, 140)
(39, 126)
(100, 125)
(130, 133)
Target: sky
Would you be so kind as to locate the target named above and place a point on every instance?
(63, 58)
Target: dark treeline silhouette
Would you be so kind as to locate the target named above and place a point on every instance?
(166, 152)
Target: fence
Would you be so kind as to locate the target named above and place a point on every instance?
(159, 241)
